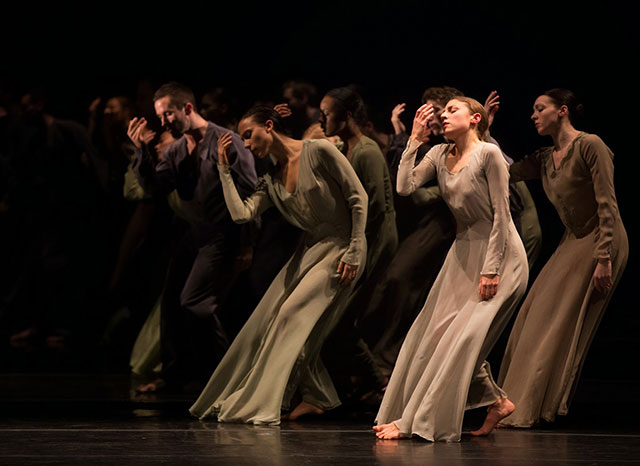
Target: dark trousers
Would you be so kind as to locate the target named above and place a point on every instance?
(193, 338)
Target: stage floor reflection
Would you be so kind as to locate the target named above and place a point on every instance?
(85, 420)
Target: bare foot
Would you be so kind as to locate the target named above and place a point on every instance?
(302, 409)
(497, 412)
(152, 387)
(389, 431)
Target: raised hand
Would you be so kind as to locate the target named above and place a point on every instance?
(347, 272)
(283, 110)
(421, 131)
(139, 133)
(488, 286)
(224, 142)
(491, 105)
(93, 106)
(398, 125)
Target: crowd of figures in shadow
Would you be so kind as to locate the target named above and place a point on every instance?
(119, 252)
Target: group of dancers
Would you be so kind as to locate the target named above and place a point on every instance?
(335, 186)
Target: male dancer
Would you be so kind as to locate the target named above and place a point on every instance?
(202, 270)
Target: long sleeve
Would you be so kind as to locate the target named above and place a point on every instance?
(243, 211)
(355, 196)
(529, 168)
(410, 177)
(496, 171)
(372, 172)
(426, 196)
(243, 171)
(599, 159)
(242, 164)
(171, 172)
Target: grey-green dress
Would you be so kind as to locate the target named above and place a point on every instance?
(381, 232)
(440, 370)
(276, 352)
(382, 236)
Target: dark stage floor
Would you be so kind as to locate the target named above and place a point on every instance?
(95, 420)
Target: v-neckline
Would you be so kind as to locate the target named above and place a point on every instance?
(295, 191)
(466, 164)
(566, 156)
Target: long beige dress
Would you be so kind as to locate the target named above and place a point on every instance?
(440, 370)
(277, 350)
(559, 316)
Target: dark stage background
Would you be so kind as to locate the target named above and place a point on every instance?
(393, 50)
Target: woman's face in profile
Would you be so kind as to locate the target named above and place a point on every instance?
(257, 138)
(329, 118)
(456, 118)
(545, 115)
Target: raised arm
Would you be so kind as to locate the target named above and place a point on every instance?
(398, 125)
(529, 168)
(241, 211)
(410, 177)
(155, 174)
(242, 164)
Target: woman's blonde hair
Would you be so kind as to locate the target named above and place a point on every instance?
(475, 107)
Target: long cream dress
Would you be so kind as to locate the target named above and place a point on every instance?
(561, 313)
(277, 350)
(440, 370)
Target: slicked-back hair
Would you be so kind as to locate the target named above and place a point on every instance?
(348, 100)
(476, 107)
(263, 113)
(565, 97)
(179, 94)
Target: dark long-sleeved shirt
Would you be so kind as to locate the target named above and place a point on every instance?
(197, 180)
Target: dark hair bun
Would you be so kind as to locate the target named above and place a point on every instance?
(565, 97)
(262, 113)
(348, 100)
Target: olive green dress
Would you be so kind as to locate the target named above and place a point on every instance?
(381, 232)
(277, 350)
(440, 370)
(559, 316)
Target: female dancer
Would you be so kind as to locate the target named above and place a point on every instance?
(559, 317)
(276, 352)
(441, 370)
(342, 114)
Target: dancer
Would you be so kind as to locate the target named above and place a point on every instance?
(523, 209)
(199, 277)
(277, 350)
(343, 112)
(441, 370)
(561, 313)
(426, 229)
